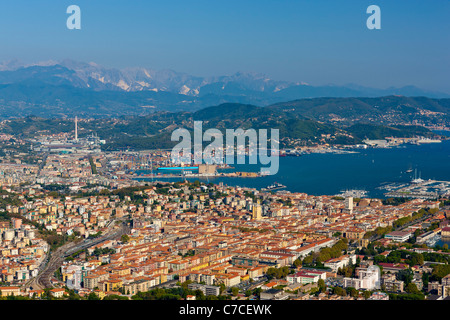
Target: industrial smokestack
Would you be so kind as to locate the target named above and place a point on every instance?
(76, 129)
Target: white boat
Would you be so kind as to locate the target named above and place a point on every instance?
(274, 186)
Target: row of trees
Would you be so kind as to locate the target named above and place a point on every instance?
(415, 216)
(404, 256)
(318, 258)
(175, 294)
(380, 231)
(334, 252)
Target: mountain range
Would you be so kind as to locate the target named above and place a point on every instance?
(68, 88)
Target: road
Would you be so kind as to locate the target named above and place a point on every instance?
(406, 225)
(44, 161)
(56, 258)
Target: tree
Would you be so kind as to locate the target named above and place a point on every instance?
(425, 279)
(199, 295)
(235, 291)
(346, 271)
(73, 295)
(248, 293)
(93, 296)
(405, 275)
(297, 263)
(308, 260)
(412, 288)
(185, 284)
(379, 258)
(257, 291)
(352, 291)
(339, 291)
(417, 233)
(284, 271)
(416, 259)
(124, 238)
(321, 285)
(367, 294)
(277, 272)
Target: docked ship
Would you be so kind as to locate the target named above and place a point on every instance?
(428, 140)
(274, 186)
(353, 193)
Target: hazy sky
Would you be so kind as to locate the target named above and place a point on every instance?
(314, 41)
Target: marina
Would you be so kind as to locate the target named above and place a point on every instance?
(419, 189)
(433, 241)
(353, 193)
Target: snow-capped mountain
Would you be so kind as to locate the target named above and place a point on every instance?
(97, 77)
(68, 86)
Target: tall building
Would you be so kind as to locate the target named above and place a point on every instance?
(349, 203)
(257, 212)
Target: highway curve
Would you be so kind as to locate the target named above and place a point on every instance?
(42, 280)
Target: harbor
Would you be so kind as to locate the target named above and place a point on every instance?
(352, 193)
(418, 189)
(377, 171)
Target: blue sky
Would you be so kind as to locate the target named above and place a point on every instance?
(318, 42)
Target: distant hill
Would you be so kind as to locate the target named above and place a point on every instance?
(154, 131)
(375, 132)
(370, 110)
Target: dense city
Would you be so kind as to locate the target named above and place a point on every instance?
(76, 224)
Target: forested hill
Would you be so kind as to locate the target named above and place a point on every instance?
(384, 110)
(330, 120)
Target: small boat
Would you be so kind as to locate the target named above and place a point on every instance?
(274, 186)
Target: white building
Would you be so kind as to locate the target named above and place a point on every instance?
(340, 262)
(73, 274)
(399, 236)
(305, 276)
(368, 279)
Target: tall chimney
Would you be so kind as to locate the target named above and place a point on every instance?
(76, 129)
